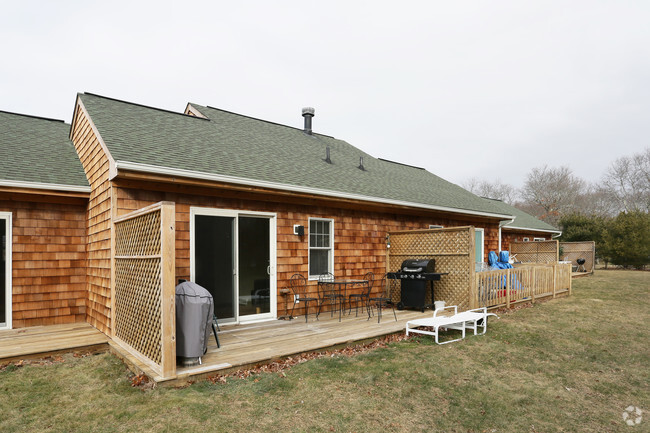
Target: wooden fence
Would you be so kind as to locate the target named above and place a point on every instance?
(535, 252)
(524, 283)
(572, 251)
(453, 250)
(144, 321)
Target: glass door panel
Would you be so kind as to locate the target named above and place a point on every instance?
(254, 265)
(478, 245)
(214, 242)
(3, 272)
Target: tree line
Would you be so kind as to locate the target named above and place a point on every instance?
(614, 212)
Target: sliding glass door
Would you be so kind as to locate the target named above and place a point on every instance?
(214, 264)
(5, 270)
(233, 256)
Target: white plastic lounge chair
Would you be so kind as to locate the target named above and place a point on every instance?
(472, 319)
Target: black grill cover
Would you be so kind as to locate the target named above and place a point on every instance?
(194, 311)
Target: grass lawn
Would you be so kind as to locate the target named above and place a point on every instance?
(571, 364)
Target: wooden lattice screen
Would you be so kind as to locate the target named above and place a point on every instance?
(453, 251)
(572, 251)
(144, 310)
(535, 252)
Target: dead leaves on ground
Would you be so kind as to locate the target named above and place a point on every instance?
(288, 362)
(47, 360)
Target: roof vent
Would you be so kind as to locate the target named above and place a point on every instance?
(327, 155)
(308, 113)
(361, 167)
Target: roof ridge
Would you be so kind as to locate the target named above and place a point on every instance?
(262, 120)
(33, 117)
(401, 163)
(145, 106)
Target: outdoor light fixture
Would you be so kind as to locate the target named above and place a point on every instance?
(298, 230)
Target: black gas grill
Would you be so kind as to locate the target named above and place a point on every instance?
(415, 275)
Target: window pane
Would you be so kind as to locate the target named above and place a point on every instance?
(318, 262)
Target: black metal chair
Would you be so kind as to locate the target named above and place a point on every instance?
(328, 292)
(382, 300)
(298, 285)
(364, 296)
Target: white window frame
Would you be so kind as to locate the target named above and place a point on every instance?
(539, 239)
(526, 239)
(7, 216)
(330, 248)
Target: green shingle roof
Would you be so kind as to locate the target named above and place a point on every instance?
(38, 150)
(234, 145)
(522, 219)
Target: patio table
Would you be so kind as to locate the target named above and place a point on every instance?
(341, 286)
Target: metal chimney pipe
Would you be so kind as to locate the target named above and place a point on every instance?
(308, 113)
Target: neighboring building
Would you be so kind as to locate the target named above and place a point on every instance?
(522, 228)
(43, 203)
(242, 187)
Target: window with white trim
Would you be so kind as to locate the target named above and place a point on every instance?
(526, 239)
(539, 239)
(321, 247)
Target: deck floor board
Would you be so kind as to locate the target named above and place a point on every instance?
(40, 340)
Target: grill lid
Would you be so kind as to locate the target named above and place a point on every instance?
(419, 266)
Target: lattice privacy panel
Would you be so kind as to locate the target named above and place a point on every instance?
(144, 284)
(535, 252)
(138, 236)
(137, 305)
(451, 250)
(572, 251)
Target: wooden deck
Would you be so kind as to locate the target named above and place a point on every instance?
(243, 345)
(40, 341)
(258, 343)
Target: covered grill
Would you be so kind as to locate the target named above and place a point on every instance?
(415, 275)
(194, 312)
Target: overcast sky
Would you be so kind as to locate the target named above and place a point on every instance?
(486, 89)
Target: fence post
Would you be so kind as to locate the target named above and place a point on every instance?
(554, 279)
(508, 288)
(168, 288)
(532, 285)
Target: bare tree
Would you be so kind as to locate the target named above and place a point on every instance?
(596, 201)
(496, 189)
(627, 182)
(555, 191)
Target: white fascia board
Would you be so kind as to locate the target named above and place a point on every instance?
(146, 168)
(532, 229)
(47, 186)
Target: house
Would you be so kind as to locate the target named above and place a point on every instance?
(43, 204)
(523, 227)
(254, 203)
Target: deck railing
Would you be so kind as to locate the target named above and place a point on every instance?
(505, 287)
